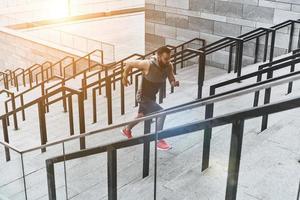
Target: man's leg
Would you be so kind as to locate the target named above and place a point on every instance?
(131, 125)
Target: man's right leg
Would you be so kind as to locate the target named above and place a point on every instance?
(127, 130)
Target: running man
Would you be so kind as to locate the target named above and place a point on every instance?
(154, 72)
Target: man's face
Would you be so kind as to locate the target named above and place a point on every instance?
(164, 59)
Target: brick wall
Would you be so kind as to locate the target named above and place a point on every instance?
(175, 21)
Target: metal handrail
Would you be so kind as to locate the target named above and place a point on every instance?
(197, 103)
(236, 119)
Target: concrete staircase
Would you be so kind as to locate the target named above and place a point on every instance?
(269, 167)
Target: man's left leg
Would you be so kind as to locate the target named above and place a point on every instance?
(161, 144)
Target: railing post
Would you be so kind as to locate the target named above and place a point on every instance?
(109, 100)
(239, 57)
(272, 47)
(201, 72)
(256, 94)
(122, 92)
(292, 69)
(6, 138)
(209, 112)
(71, 121)
(266, 46)
(234, 159)
(51, 180)
(94, 99)
(16, 81)
(84, 83)
(13, 104)
(298, 195)
(256, 50)
(146, 151)
(230, 59)
(22, 104)
(112, 173)
(6, 111)
(64, 98)
(100, 83)
(291, 37)
(182, 48)
(42, 123)
(81, 119)
(267, 98)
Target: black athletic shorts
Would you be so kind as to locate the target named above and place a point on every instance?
(147, 106)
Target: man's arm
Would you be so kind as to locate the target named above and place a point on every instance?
(142, 65)
(171, 77)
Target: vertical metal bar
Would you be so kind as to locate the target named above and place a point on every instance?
(51, 180)
(256, 50)
(272, 47)
(239, 54)
(209, 112)
(16, 81)
(298, 195)
(42, 123)
(64, 98)
(109, 100)
(182, 48)
(122, 92)
(84, 84)
(266, 46)
(290, 86)
(114, 80)
(175, 61)
(146, 151)
(230, 59)
(201, 73)
(267, 98)
(234, 159)
(71, 120)
(94, 105)
(291, 37)
(298, 45)
(6, 138)
(100, 82)
(81, 119)
(65, 171)
(155, 160)
(256, 94)
(13, 104)
(22, 104)
(6, 111)
(112, 173)
(23, 175)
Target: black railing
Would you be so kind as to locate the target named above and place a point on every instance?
(43, 102)
(236, 119)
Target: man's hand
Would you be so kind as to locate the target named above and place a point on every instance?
(175, 83)
(125, 81)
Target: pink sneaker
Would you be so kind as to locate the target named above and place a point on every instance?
(127, 133)
(163, 145)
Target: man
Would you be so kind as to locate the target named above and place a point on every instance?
(154, 73)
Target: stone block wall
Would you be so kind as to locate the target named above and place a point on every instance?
(176, 21)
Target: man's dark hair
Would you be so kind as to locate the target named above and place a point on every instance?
(163, 49)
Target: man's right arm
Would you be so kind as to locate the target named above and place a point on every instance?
(142, 65)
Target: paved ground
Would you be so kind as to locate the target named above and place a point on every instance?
(269, 167)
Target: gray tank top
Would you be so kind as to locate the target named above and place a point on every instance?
(154, 80)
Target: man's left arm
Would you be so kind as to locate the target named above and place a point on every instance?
(171, 76)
